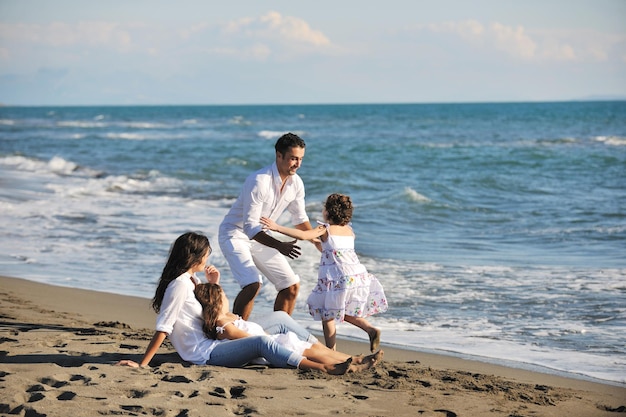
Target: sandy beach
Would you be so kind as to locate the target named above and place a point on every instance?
(58, 347)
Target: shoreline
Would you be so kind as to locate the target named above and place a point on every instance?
(124, 325)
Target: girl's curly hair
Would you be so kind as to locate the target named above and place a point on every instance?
(339, 209)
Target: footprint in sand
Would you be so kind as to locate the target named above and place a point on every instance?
(236, 392)
(137, 393)
(38, 396)
(66, 396)
(53, 382)
(447, 413)
(176, 378)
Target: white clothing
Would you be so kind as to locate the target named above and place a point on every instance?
(261, 196)
(288, 340)
(181, 318)
(344, 286)
(249, 260)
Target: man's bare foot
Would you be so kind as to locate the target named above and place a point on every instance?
(366, 362)
(374, 335)
(340, 368)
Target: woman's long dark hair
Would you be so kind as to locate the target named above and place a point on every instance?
(187, 251)
(210, 296)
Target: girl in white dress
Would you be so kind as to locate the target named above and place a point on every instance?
(345, 290)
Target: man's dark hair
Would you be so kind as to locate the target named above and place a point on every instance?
(288, 141)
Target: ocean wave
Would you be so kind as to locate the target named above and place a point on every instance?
(154, 183)
(239, 120)
(56, 165)
(611, 140)
(145, 125)
(99, 123)
(274, 134)
(59, 165)
(270, 134)
(414, 196)
(127, 136)
(81, 124)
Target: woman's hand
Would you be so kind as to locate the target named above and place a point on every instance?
(127, 362)
(212, 274)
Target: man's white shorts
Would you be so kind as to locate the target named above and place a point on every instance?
(246, 258)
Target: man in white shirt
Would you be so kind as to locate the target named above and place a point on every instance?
(248, 249)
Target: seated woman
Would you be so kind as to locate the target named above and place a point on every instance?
(180, 317)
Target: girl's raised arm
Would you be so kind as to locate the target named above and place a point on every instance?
(291, 232)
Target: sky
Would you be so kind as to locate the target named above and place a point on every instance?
(196, 52)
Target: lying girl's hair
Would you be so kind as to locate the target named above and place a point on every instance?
(210, 297)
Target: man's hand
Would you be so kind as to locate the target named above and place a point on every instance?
(289, 249)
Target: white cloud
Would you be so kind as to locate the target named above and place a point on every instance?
(513, 41)
(257, 52)
(274, 26)
(552, 49)
(525, 44)
(468, 29)
(192, 30)
(58, 34)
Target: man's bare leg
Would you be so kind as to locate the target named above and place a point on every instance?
(244, 302)
(286, 299)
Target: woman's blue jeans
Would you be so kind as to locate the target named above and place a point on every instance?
(236, 353)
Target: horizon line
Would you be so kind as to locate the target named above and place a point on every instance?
(584, 99)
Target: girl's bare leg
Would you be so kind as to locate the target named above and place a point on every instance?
(322, 354)
(330, 333)
(335, 369)
(372, 332)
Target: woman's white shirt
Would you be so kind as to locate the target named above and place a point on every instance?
(181, 318)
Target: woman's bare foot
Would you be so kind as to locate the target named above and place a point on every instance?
(374, 335)
(366, 362)
(340, 368)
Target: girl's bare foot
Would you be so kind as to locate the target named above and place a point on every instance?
(340, 368)
(358, 359)
(374, 335)
(366, 362)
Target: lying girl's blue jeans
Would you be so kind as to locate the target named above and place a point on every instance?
(281, 322)
(236, 353)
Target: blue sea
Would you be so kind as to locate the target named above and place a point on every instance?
(497, 230)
